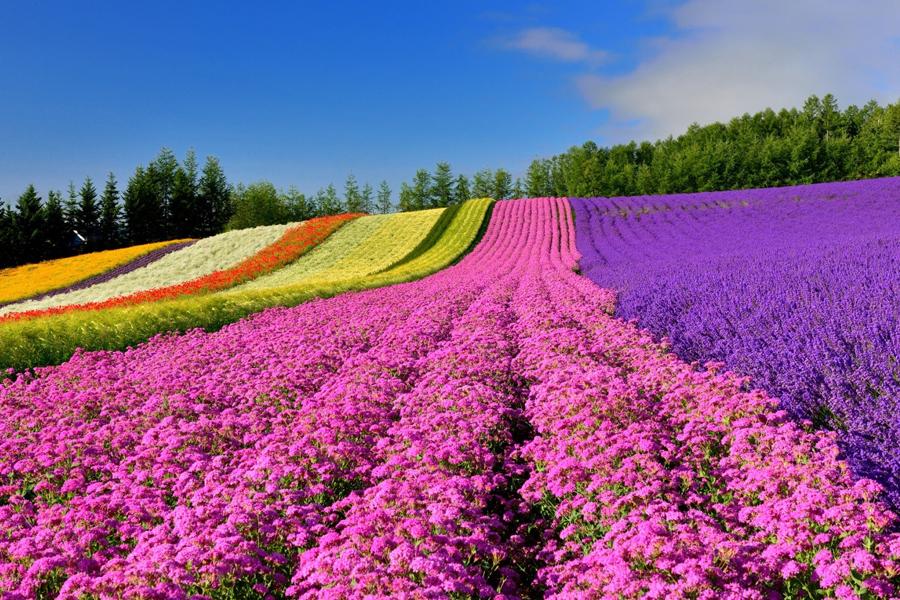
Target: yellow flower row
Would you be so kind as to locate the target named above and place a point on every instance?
(17, 283)
(362, 247)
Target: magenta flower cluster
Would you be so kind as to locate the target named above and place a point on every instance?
(490, 431)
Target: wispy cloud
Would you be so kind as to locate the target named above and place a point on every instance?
(554, 43)
(727, 57)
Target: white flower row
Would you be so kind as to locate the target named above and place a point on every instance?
(197, 260)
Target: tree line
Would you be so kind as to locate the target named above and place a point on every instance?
(816, 143)
(164, 200)
(168, 200)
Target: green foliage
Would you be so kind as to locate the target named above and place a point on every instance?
(353, 200)
(483, 183)
(257, 204)
(421, 190)
(142, 208)
(87, 219)
(816, 143)
(55, 228)
(328, 201)
(183, 207)
(461, 191)
(442, 186)
(502, 184)
(383, 202)
(110, 227)
(213, 198)
(28, 220)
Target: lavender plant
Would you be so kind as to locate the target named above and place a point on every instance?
(796, 287)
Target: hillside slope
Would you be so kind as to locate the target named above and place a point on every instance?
(486, 431)
(53, 339)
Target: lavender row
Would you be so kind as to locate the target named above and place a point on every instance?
(798, 288)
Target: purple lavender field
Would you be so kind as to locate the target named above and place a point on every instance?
(796, 287)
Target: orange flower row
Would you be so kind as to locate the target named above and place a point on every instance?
(295, 242)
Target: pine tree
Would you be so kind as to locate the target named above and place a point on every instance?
(163, 170)
(518, 190)
(483, 184)
(502, 184)
(461, 191)
(421, 190)
(110, 215)
(214, 197)
(383, 203)
(87, 218)
(442, 186)
(29, 226)
(9, 249)
(257, 204)
(330, 201)
(141, 208)
(318, 201)
(183, 209)
(367, 200)
(537, 179)
(352, 198)
(297, 206)
(56, 231)
(70, 208)
(407, 198)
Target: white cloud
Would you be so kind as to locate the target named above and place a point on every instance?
(555, 43)
(728, 57)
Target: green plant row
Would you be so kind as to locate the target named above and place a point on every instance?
(52, 340)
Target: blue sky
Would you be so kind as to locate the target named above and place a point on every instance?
(304, 93)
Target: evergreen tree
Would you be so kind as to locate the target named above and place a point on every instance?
(407, 198)
(70, 208)
(383, 202)
(110, 215)
(461, 189)
(318, 202)
(214, 198)
(163, 170)
(537, 179)
(483, 184)
(257, 204)
(29, 226)
(87, 220)
(141, 207)
(442, 186)
(502, 184)
(367, 200)
(330, 201)
(9, 250)
(421, 190)
(518, 190)
(296, 205)
(183, 209)
(56, 231)
(352, 198)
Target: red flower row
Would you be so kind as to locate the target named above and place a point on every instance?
(295, 242)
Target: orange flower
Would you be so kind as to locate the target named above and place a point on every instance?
(295, 242)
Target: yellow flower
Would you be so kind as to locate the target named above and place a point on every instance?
(18, 283)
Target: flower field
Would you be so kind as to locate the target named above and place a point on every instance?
(295, 242)
(798, 288)
(28, 281)
(207, 256)
(364, 247)
(53, 338)
(488, 431)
